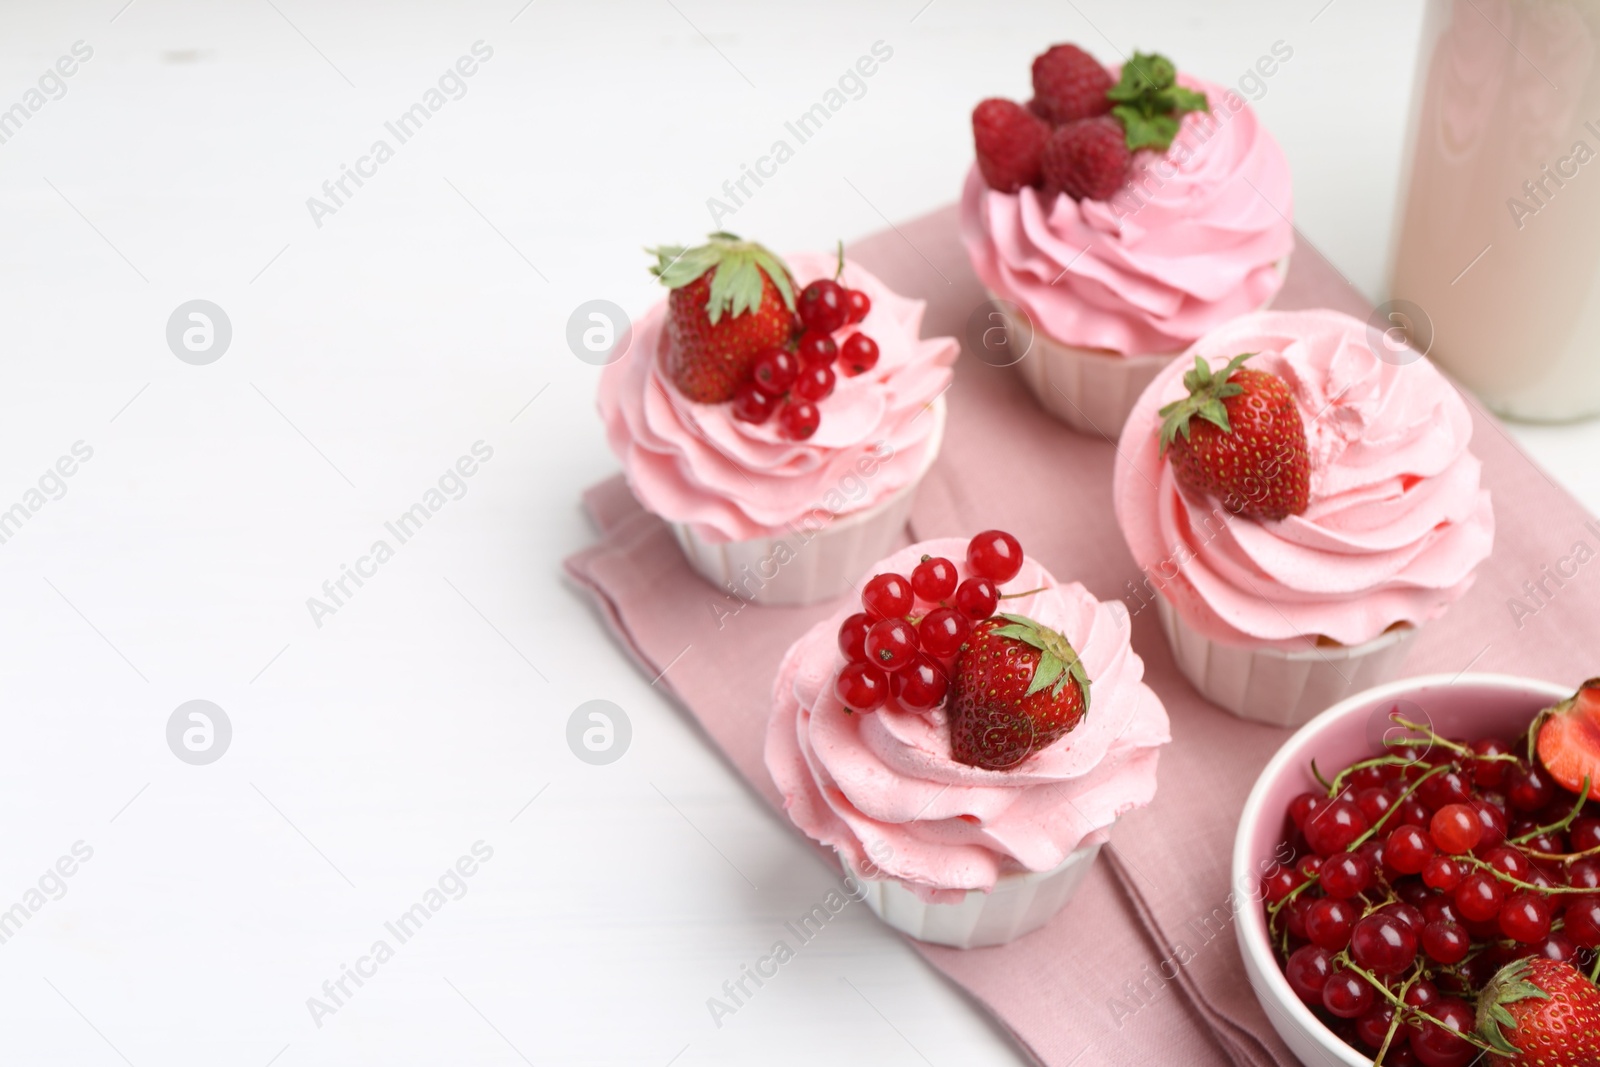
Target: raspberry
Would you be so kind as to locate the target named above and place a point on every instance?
(1087, 159)
(1009, 140)
(1070, 84)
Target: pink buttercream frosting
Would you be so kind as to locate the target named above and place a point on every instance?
(1192, 241)
(882, 789)
(1398, 517)
(732, 481)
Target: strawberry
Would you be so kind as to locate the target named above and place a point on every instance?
(1248, 446)
(1540, 1013)
(731, 301)
(1016, 686)
(1087, 159)
(1009, 140)
(1069, 83)
(1569, 739)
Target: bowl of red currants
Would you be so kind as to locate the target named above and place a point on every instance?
(1411, 856)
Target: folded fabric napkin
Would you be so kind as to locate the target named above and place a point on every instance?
(1142, 966)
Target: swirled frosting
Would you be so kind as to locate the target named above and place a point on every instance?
(1190, 242)
(1398, 517)
(882, 788)
(730, 480)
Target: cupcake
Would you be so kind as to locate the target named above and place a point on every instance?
(965, 749)
(1300, 506)
(777, 416)
(1116, 219)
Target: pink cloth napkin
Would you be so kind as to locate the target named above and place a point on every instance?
(1094, 983)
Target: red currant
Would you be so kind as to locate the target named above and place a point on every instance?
(1583, 921)
(1528, 788)
(1409, 849)
(1508, 860)
(1584, 874)
(1333, 828)
(977, 598)
(799, 419)
(1448, 788)
(859, 354)
(1374, 801)
(815, 382)
(1367, 778)
(817, 348)
(1455, 829)
(1441, 907)
(1443, 873)
(1383, 944)
(1585, 833)
(774, 371)
(1494, 824)
(1525, 917)
(1489, 773)
(1422, 994)
(1330, 921)
(1479, 896)
(853, 637)
(1295, 916)
(1346, 994)
(860, 687)
(751, 404)
(1407, 913)
(934, 579)
(1443, 1046)
(942, 631)
(1279, 882)
(1373, 1027)
(920, 686)
(887, 596)
(859, 304)
(1307, 970)
(1346, 875)
(1557, 946)
(1445, 942)
(823, 306)
(891, 644)
(1301, 807)
(994, 554)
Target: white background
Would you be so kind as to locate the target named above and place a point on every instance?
(368, 354)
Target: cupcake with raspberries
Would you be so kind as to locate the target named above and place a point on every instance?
(777, 415)
(1300, 506)
(965, 738)
(1117, 217)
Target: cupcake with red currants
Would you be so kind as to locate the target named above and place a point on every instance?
(777, 415)
(1118, 216)
(1439, 899)
(1301, 506)
(965, 737)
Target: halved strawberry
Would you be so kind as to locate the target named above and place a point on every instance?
(1569, 739)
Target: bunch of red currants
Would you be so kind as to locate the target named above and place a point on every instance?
(909, 631)
(791, 380)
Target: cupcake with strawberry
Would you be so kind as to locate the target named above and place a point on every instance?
(965, 737)
(1117, 217)
(777, 415)
(1300, 506)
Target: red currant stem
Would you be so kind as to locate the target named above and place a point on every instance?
(1378, 761)
(1375, 827)
(1564, 857)
(1394, 1024)
(1583, 795)
(1323, 782)
(1014, 596)
(1594, 973)
(1444, 742)
(1548, 890)
(1401, 1007)
(839, 270)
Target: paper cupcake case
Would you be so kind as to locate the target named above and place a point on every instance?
(821, 568)
(1090, 389)
(1020, 903)
(1276, 686)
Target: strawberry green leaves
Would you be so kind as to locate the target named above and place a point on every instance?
(1150, 103)
(736, 286)
(1207, 391)
(1058, 660)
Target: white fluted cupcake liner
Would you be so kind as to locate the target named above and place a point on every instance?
(812, 564)
(1090, 389)
(1279, 687)
(1020, 903)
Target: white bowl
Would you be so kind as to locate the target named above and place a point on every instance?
(1465, 705)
